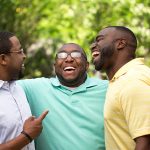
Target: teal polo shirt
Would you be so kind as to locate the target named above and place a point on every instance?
(75, 119)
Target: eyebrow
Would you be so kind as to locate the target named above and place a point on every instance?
(93, 45)
(98, 37)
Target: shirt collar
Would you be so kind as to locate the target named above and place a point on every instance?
(55, 81)
(124, 69)
(5, 84)
(86, 84)
(1, 83)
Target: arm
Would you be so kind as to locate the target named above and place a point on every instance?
(15, 144)
(143, 143)
(32, 126)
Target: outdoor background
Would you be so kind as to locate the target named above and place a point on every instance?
(44, 25)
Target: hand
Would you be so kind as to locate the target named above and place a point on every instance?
(33, 126)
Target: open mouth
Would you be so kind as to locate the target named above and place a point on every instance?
(95, 54)
(22, 67)
(69, 69)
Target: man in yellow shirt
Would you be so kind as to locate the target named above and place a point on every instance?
(127, 106)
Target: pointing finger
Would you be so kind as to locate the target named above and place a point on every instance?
(43, 115)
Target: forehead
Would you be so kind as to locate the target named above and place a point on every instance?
(15, 41)
(70, 48)
(107, 32)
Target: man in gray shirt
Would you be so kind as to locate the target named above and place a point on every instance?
(17, 128)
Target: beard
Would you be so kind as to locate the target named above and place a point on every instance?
(21, 74)
(18, 74)
(106, 54)
(74, 82)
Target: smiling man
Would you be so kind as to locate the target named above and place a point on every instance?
(74, 100)
(71, 72)
(127, 106)
(17, 127)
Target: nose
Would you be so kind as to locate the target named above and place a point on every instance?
(93, 46)
(23, 55)
(69, 58)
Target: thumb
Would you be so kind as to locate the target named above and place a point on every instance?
(31, 118)
(43, 115)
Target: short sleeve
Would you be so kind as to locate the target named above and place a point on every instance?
(135, 102)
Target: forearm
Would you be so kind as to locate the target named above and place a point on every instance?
(142, 147)
(143, 143)
(16, 144)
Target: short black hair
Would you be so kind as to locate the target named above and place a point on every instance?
(5, 43)
(129, 32)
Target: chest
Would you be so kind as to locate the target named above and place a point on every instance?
(13, 107)
(74, 106)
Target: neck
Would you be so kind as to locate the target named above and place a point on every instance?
(4, 76)
(119, 63)
(74, 83)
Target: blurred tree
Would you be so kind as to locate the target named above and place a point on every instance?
(44, 25)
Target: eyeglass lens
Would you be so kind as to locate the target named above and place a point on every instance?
(72, 54)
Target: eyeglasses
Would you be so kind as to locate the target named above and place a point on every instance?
(63, 55)
(19, 51)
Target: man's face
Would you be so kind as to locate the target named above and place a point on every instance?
(103, 49)
(71, 65)
(16, 59)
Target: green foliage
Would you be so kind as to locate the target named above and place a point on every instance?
(44, 25)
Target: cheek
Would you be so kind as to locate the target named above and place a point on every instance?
(83, 65)
(100, 44)
(56, 68)
(58, 64)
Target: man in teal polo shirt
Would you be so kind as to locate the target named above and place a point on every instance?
(75, 102)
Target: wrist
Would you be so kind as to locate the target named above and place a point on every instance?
(27, 136)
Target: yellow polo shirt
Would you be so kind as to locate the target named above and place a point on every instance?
(127, 106)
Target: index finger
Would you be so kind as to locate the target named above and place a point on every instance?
(43, 115)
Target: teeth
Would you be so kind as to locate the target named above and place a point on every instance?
(69, 68)
(96, 53)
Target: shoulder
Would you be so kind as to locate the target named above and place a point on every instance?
(98, 82)
(134, 78)
(19, 87)
(137, 83)
(139, 73)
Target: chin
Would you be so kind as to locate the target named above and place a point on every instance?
(69, 79)
(98, 67)
(65, 78)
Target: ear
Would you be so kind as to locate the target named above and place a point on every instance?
(121, 44)
(3, 59)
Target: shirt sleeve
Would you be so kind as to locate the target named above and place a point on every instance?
(135, 102)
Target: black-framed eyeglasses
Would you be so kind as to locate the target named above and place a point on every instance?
(74, 54)
(21, 51)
